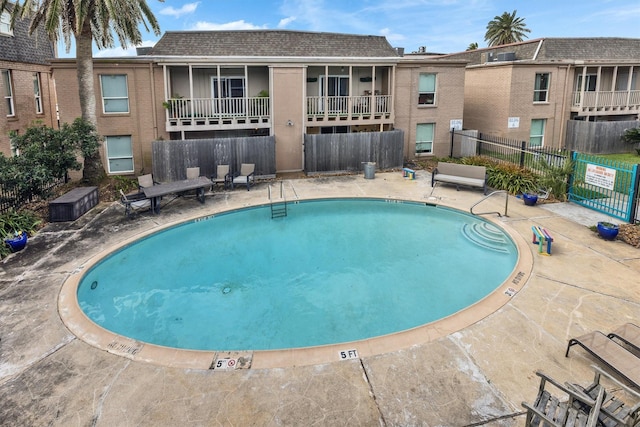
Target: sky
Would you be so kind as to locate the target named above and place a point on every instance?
(441, 26)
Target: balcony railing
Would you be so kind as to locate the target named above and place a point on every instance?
(187, 112)
(607, 100)
(355, 107)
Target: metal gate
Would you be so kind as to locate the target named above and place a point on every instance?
(605, 185)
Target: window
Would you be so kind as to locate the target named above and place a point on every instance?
(5, 23)
(427, 89)
(590, 83)
(115, 97)
(424, 138)
(36, 92)
(541, 89)
(8, 92)
(536, 138)
(119, 153)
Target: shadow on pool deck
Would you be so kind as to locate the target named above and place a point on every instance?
(475, 376)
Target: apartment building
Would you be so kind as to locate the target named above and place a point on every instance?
(528, 91)
(286, 84)
(25, 80)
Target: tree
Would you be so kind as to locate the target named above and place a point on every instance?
(505, 29)
(632, 136)
(472, 46)
(87, 21)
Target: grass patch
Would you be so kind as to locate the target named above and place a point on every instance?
(622, 157)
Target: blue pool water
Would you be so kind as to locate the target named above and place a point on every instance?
(332, 271)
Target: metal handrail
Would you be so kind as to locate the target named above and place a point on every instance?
(506, 203)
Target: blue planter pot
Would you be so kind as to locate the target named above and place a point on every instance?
(607, 230)
(530, 199)
(17, 243)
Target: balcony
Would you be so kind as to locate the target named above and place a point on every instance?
(217, 113)
(353, 109)
(606, 102)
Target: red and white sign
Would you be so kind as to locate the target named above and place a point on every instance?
(600, 176)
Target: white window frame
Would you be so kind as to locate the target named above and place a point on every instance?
(590, 85)
(37, 93)
(536, 136)
(8, 93)
(427, 96)
(433, 133)
(105, 99)
(120, 157)
(5, 24)
(538, 90)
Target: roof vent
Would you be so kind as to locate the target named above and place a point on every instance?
(143, 50)
(400, 51)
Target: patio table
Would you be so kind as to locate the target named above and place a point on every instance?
(154, 193)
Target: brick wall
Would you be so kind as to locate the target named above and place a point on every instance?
(24, 101)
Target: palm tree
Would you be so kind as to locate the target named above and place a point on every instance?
(472, 46)
(87, 21)
(505, 29)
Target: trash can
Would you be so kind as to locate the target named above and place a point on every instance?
(369, 170)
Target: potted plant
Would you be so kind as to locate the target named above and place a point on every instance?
(530, 199)
(17, 242)
(607, 230)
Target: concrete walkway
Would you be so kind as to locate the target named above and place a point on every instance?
(475, 376)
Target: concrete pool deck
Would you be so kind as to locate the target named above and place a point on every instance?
(478, 375)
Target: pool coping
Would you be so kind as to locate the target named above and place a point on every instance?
(82, 327)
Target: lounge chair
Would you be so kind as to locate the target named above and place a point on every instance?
(629, 334)
(134, 202)
(613, 411)
(571, 409)
(245, 176)
(222, 176)
(611, 354)
(193, 173)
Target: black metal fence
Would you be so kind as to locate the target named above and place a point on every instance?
(11, 198)
(506, 150)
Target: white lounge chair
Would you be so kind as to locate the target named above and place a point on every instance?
(245, 176)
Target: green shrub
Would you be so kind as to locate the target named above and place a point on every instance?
(512, 178)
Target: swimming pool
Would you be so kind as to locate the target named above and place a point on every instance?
(332, 271)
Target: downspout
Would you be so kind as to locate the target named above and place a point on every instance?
(564, 106)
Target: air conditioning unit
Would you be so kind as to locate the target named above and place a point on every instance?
(507, 56)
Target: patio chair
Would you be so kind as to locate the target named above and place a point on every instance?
(629, 334)
(613, 411)
(570, 408)
(193, 173)
(245, 176)
(222, 176)
(134, 202)
(610, 353)
(145, 181)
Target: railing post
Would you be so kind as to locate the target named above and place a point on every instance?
(634, 195)
(523, 145)
(453, 132)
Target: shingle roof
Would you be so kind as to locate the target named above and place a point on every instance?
(561, 49)
(270, 43)
(22, 47)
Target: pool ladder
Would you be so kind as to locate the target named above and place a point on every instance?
(279, 205)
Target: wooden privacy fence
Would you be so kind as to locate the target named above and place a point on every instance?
(598, 137)
(171, 158)
(346, 152)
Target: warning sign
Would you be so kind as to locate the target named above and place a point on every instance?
(600, 176)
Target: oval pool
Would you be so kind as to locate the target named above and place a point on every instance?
(331, 271)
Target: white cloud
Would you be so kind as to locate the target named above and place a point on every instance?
(177, 13)
(235, 25)
(286, 21)
(391, 37)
